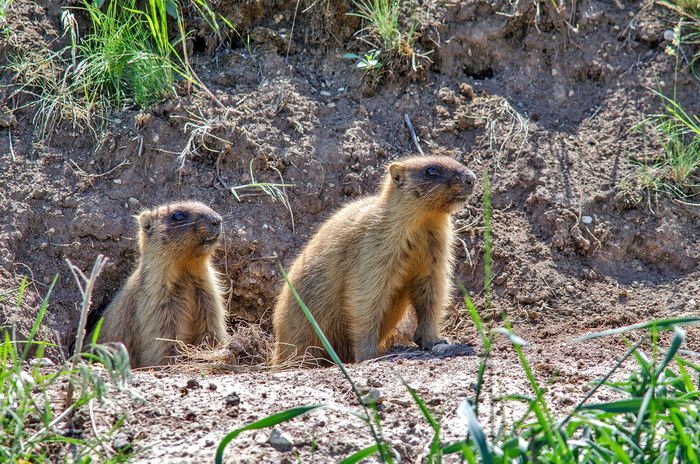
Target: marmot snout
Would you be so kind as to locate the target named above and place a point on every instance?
(439, 183)
(187, 227)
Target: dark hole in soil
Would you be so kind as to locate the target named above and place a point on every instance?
(479, 74)
(200, 45)
(648, 41)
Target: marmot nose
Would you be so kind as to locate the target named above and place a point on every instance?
(213, 224)
(468, 179)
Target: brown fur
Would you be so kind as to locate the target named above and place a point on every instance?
(371, 260)
(174, 292)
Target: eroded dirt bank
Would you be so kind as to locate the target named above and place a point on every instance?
(545, 110)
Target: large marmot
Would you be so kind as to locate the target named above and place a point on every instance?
(371, 260)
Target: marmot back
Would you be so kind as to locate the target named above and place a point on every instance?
(373, 259)
(174, 292)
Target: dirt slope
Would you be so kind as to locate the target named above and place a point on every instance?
(547, 111)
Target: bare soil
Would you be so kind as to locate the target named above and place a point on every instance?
(546, 110)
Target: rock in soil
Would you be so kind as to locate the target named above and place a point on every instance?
(280, 440)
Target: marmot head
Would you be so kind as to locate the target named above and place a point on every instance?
(431, 182)
(180, 230)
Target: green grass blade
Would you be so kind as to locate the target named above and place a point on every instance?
(268, 421)
(618, 407)
(678, 340)
(39, 318)
(476, 431)
(634, 405)
(641, 414)
(659, 324)
(602, 381)
(685, 439)
(488, 240)
(514, 339)
(423, 408)
(360, 455)
(324, 341)
(336, 359)
(20, 293)
(474, 314)
(435, 443)
(619, 451)
(96, 331)
(456, 447)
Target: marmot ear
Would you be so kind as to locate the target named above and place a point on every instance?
(145, 221)
(397, 173)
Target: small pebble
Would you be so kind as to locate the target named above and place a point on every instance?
(325, 93)
(233, 400)
(372, 382)
(501, 279)
(122, 441)
(368, 92)
(373, 396)
(44, 362)
(692, 303)
(192, 383)
(586, 219)
(668, 35)
(280, 440)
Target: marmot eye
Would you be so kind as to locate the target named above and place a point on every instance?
(432, 172)
(178, 216)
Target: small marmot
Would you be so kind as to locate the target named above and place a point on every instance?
(371, 260)
(174, 293)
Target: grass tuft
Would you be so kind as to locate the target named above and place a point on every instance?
(687, 30)
(385, 33)
(676, 170)
(276, 191)
(127, 58)
(35, 426)
(4, 6)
